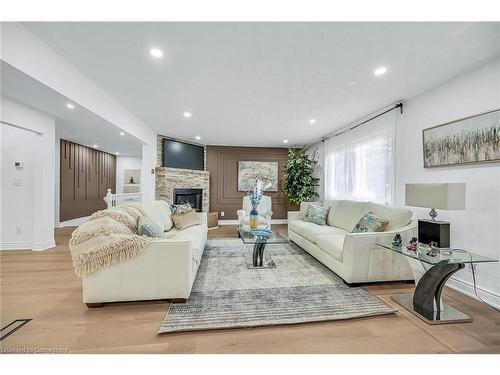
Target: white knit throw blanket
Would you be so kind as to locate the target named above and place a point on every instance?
(109, 237)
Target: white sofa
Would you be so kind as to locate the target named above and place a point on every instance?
(165, 269)
(354, 256)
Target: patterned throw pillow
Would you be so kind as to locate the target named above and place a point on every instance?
(370, 223)
(317, 214)
(146, 227)
(181, 208)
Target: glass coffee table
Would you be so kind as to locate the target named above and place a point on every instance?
(431, 274)
(259, 259)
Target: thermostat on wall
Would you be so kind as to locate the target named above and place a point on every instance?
(19, 164)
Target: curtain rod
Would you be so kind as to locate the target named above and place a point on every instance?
(396, 106)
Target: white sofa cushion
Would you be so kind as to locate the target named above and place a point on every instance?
(197, 234)
(347, 214)
(311, 231)
(332, 244)
(397, 217)
(333, 207)
(159, 211)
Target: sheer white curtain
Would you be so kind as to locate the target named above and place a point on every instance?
(359, 164)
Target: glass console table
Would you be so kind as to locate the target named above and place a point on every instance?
(431, 274)
(259, 259)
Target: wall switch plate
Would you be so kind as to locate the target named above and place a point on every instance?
(222, 214)
(18, 230)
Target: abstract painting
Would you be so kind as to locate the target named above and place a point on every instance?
(251, 171)
(473, 139)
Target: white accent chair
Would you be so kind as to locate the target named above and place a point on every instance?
(264, 210)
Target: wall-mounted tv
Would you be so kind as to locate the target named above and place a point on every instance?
(183, 155)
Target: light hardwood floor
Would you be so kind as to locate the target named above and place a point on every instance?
(43, 286)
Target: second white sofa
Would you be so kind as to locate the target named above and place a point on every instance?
(354, 257)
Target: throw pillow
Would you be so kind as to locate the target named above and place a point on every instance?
(304, 206)
(186, 219)
(317, 214)
(181, 208)
(146, 227)
(371, 223)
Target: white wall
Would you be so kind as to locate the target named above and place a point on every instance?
(24, 51)
(478, 227)
(27, 211)
(122, 163)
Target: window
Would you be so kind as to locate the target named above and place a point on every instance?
(359, 164)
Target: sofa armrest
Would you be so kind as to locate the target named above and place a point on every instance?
(360, 252)
(203, 217)
(293, 215)
(406, 230)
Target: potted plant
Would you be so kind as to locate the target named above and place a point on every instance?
(299, 184)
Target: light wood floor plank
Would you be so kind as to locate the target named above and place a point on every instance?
(44, 287)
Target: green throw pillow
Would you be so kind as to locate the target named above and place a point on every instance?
(370, 223)
(146, 227)
(317, 214)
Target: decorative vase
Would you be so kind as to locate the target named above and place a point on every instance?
(254, 216)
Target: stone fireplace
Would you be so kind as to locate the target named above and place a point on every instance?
(187, 184)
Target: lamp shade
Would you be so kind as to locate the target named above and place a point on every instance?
(442, 196)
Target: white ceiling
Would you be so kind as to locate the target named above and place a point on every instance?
(260, 83)
(78, 124)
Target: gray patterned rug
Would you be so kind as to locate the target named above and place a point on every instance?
(226, 294)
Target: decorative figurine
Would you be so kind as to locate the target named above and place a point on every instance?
(433, 249)
(397, 240)
(413, 244)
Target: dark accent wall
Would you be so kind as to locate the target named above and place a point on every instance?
(222, 163)
(86, 175)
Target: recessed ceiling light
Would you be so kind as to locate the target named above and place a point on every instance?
(285, 140)
(156, 53)
(117, 153)
(198, 137)
(380, 71)
(95, 146)
(70, 106)
(312, 121)
(122, 133)
(186, 114)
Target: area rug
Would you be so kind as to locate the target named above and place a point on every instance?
(226, 294)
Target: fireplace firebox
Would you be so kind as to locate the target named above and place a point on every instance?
(192, 196)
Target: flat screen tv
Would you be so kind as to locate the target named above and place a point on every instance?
(182, 155)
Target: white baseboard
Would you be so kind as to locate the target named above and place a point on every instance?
(40, 246)
(17, 245)
(467, 288)
(27, 245)
(73, 222)
(235, 222)
(227, 222)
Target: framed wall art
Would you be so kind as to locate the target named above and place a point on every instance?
(474, 139)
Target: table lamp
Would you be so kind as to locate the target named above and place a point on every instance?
(442, 196)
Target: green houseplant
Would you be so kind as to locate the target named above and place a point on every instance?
(299, 184)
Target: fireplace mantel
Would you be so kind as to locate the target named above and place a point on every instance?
(168, 179)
